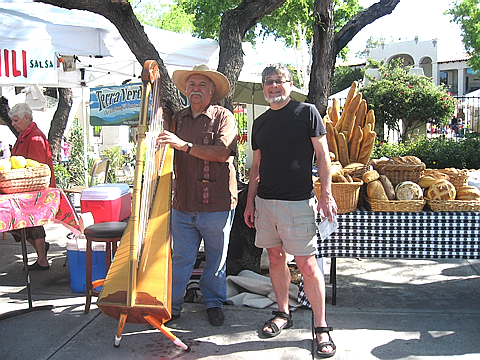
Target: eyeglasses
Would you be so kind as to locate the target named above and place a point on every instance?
(276, 82)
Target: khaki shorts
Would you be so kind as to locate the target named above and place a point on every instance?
(290, 224)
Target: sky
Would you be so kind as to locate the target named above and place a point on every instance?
(410, 18)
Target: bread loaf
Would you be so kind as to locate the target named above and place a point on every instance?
(343, 149)
(375, 190)
(408, 190)
(334, 115)
(388, 187)
(468, 193)
(355, 143)
(339, 179)
(441, 190)
(370, 176)
(331, 141)
(336, 168)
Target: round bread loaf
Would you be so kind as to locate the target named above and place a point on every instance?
(441, 190)
(370, 176)
(468, 193)
(408, 190)
(427, 181)
(375, 190)
(388, 187)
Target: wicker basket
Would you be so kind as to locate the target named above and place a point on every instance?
(358, 171)
(395, 205)
(402, 172)
(458, 178)
(345, 195)
(454, 205)
(26, 179)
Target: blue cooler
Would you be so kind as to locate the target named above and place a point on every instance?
(77, 263)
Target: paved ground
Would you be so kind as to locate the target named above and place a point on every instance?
(386, 309)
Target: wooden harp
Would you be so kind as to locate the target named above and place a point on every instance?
(137, 288)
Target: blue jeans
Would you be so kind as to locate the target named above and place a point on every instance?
(188, 229)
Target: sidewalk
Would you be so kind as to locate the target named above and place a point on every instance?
(386, 309)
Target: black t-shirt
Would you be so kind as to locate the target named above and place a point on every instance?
(284, 139)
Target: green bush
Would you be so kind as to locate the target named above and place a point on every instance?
(436, 153)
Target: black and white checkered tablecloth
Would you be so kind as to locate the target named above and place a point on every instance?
(408, 235)
(422, 235)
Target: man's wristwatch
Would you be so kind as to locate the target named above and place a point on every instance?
(189, 147)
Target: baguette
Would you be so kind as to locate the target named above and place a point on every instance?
(343, 149)
(331, 141)
(349, 120)
(335, 110)
(354, 146)
(367, 146)
(370, 119)
(360, 115)
(351, 93)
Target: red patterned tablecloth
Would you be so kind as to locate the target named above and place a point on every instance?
(36, 208)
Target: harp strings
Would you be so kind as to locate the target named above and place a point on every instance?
(153, 163)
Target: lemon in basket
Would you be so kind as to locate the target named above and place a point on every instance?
(5, 164)
(18, 162)
(32, 163)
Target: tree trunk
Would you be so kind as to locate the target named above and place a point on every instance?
(327, 45)
(59, 122)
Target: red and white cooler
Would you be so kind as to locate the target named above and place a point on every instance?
(107, 202)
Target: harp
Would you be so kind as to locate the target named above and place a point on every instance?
(137, 288)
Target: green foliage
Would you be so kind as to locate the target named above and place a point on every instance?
(466, 13)
(405, 101)
(344, 76)
(117, 159)
(165, 15)
(281, 23)
(76, 164)
(436, 153)
(62, 176)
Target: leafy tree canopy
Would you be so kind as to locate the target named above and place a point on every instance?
(281, 23)
(466, 13)
(405, 101)
(165, 15)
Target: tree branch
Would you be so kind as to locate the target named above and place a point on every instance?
(362, 19)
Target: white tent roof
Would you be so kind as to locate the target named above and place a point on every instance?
(89, 36)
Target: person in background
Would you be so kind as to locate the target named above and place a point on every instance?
(32, 144)
(280, 204)
(205, 189)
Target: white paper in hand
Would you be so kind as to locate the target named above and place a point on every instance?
(326, 228)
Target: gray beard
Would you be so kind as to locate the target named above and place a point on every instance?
(276, 99)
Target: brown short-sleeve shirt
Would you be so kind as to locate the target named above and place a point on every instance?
(205, 186)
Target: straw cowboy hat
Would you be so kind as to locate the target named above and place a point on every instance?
(222, 86)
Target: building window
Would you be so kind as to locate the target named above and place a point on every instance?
(444, 77)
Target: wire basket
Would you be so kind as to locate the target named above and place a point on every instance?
(454, 205)
(25, 179)
(345, 194)
(397, 173)
(395, 205)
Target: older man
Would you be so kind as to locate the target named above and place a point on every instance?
(32, 144)
(205, 189)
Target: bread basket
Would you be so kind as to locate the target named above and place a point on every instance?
(395, 205)
(454, 205)
(346, 195)
(400, 172)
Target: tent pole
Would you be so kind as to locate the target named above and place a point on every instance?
(84, 120)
